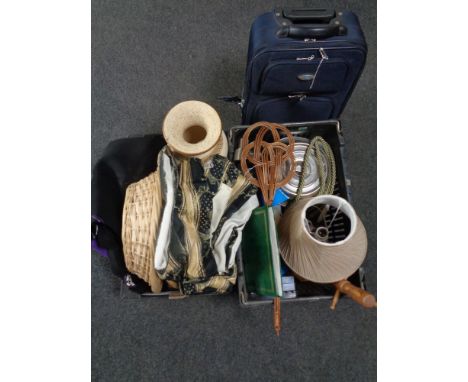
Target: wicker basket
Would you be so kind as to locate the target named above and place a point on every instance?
(140, 222)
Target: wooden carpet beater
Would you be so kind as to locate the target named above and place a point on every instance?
(268, 159)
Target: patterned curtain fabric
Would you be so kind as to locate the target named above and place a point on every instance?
(209, 205)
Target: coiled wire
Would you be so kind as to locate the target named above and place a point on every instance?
(325, 160)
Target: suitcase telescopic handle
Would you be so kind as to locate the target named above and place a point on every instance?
(310, 15)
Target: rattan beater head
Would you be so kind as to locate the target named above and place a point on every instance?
(267, 158)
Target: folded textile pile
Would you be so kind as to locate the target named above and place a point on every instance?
(184, 223)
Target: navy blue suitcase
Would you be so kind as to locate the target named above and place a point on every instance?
(302, 65)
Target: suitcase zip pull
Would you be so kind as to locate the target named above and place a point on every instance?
(310, 58)
(324, 57)
(323, 54)
(298, 97)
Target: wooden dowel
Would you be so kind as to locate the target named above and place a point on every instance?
(277, 315)
(362, 297)
(335, 299)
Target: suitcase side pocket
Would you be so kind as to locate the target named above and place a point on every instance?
(299, 76)
(293, 109)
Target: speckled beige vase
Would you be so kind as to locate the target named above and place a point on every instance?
(192, 128)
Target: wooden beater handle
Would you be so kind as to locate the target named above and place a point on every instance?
(366, 299)
(277, 315)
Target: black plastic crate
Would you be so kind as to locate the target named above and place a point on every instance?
(305, 291)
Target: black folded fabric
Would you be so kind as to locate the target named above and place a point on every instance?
(124, 161)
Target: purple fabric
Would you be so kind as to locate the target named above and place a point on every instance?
(99, 220)
(98, 249)
(94, 244)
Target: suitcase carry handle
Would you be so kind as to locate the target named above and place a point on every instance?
(308, 15)
(312, 30)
